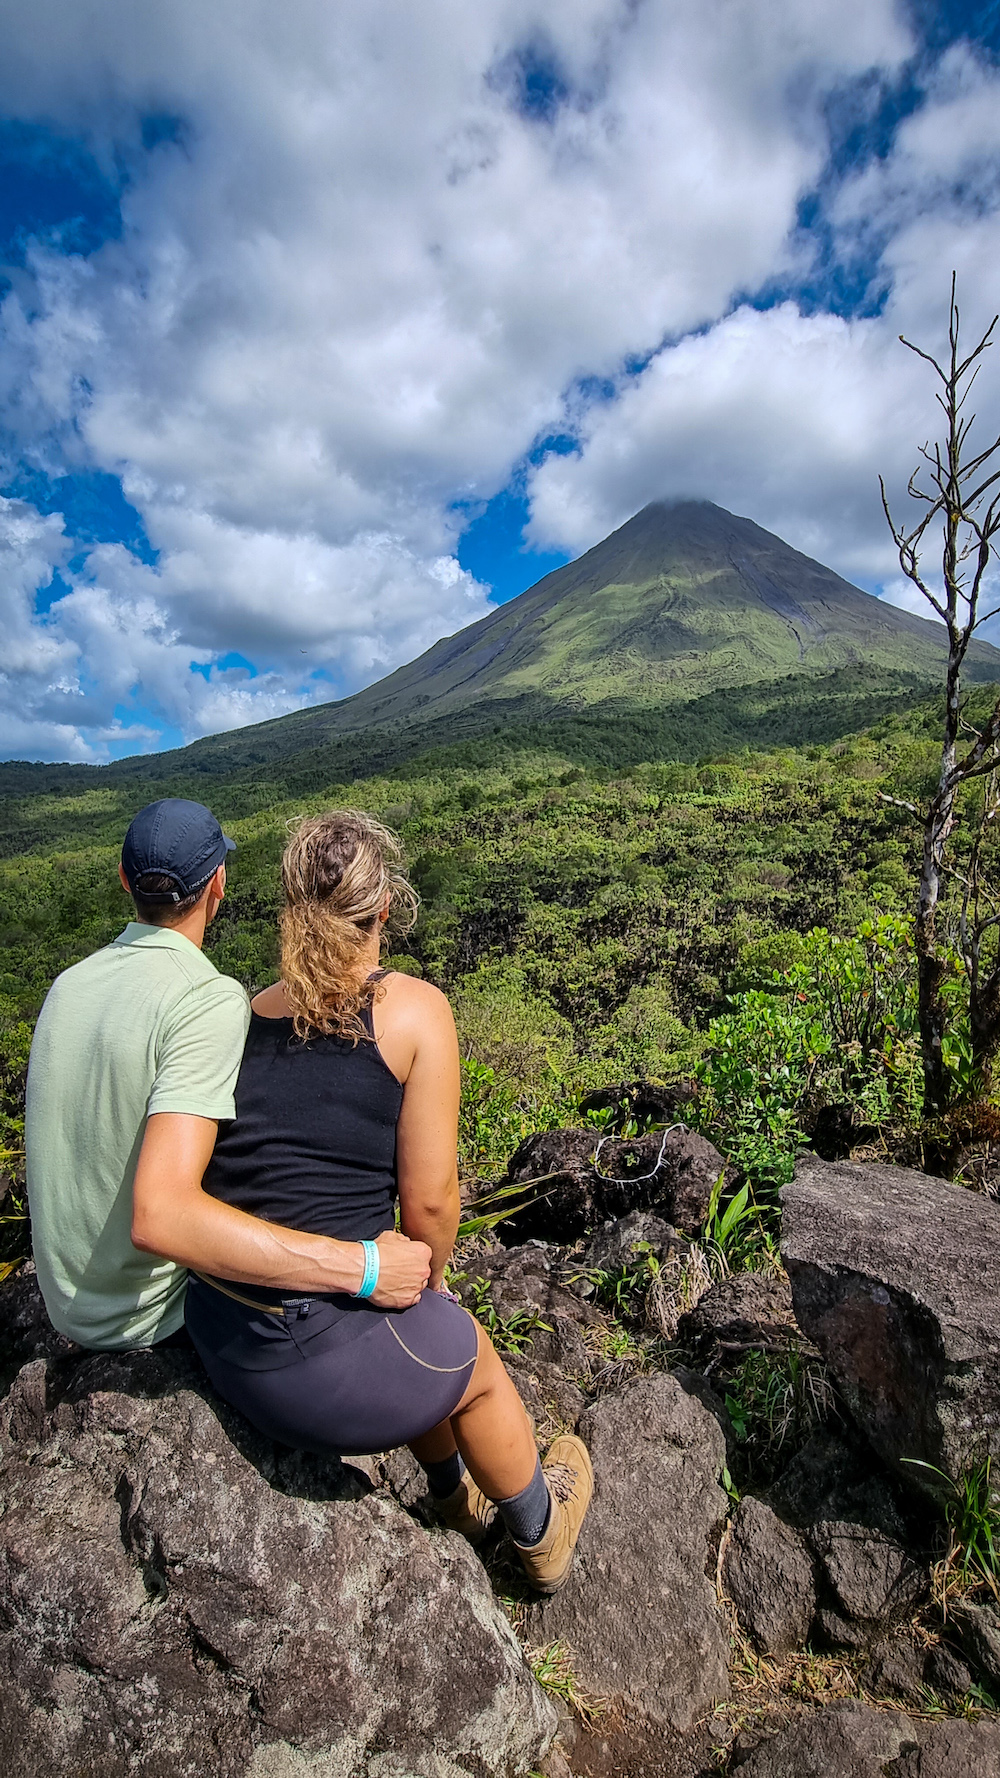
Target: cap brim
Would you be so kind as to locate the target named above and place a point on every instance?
(230, 844)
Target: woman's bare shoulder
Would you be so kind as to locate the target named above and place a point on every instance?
(408, 992)
(270, 1003)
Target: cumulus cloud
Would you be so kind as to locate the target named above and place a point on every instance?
(125, 634)
(789, 417)
(383, 251)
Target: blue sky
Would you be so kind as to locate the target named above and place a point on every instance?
(285, 396)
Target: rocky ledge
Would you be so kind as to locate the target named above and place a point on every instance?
(179, 1597)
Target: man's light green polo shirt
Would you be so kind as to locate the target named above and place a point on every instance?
(146, 1025)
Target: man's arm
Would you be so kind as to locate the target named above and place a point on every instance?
(174, 1216)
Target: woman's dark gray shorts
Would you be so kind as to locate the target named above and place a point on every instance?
(332, 1374)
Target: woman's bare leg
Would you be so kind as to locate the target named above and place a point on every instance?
(435, 1446)
(489, 1427)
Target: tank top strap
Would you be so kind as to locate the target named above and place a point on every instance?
(368, 1009)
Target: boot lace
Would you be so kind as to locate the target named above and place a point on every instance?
(562, 1479)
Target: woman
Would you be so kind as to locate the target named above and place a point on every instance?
(347, 1097)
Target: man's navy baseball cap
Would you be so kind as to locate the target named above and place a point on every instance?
(175, 839)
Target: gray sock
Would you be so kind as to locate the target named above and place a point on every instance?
(443, 1478)
(526, 1515)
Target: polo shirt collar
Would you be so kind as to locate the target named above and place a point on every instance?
(158, 937)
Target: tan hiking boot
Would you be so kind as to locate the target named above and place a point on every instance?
(467, 1510)
(567, 1470)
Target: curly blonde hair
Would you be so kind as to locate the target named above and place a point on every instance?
(338, 871)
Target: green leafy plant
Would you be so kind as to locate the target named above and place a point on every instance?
(775, 1400)
(971, 1507)
(15, 1042)
(760, 1060)
(729, 1485)
(553, 1669)
(723, 1224)
(497, 1113)
(509, 1333)
(622, 1289)
(739, 1230)
(494, 1207)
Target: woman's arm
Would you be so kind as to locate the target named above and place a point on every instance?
(427, 1133)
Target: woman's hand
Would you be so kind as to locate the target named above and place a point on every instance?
(403, 1271)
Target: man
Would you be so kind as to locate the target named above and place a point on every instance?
(134, 1061)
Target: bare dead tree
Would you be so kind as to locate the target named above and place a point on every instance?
(957, 487)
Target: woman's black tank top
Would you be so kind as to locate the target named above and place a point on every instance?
(313, 1142)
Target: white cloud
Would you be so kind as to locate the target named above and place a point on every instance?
(126, 634)
(362, 284)
(790, 418)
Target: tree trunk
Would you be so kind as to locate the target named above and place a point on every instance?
(931, 967)
(984, 1030)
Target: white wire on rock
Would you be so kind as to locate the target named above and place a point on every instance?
(632, 1178)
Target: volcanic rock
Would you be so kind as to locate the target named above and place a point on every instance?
(179, 1597)
(672, 1172)
(641, 1100)
(950, 1749)
(526, 1291)
(639, 1610)
(745, 1311)
(25, 1329)
(868, 1575)
(853, 1741)
(871, 1575)
(843, 1741)
(978, 1628)
(894, 1276)
(617, 1244)
(769, 1575)
(902, 1666)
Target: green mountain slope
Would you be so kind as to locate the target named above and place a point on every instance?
(685, 631)
(683, 600)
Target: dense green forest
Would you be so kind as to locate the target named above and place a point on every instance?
(738, 918)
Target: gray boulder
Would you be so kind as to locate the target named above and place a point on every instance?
(897, 1668)
(642, 1099)
(640, 1610)
(871, 1575)
(843, 1741)
(834, 1492)
(616, 1244)
(833, 1477)
(25, 1329)
(978, 1630)
(946, 1673)
(949, 1749)
(894, 1276)
(745, 1310)
(553, 1400)
(854, 1741)
(901, 1665)
(178, 1597)
(769, 1575)
(671, 1172)
(526, 1282)
(844, 1505)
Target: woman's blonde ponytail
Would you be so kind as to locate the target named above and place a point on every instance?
(339, 872)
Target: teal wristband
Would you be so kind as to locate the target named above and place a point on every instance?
(370, 1277)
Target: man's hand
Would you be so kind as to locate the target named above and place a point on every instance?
(404, 1268)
